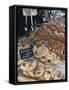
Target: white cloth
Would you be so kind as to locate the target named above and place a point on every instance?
(29, 12)
(33, 12)
(26, 12)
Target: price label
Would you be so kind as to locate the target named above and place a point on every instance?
(24, 53)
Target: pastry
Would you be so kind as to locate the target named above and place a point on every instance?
(24, 41)
(24, 65)
(39, 70)
(19, 62)
(24, 79)
(42, 77)
(32, 64)
(57, 75)
(25, 73)
(38, 42)
(56, 46)
(42, 32)
(53, 74)
(31, 73)
(52, 58)
(57, 38)
(28, 65)
(47, 76)
(56, 27)
(55, 59)
(40, 52)
(32, 36)
(48, 73)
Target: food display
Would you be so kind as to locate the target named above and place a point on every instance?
(37, 44)
(40, 50)
(41, 54)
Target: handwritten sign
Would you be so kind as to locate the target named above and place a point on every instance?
(24, 53)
